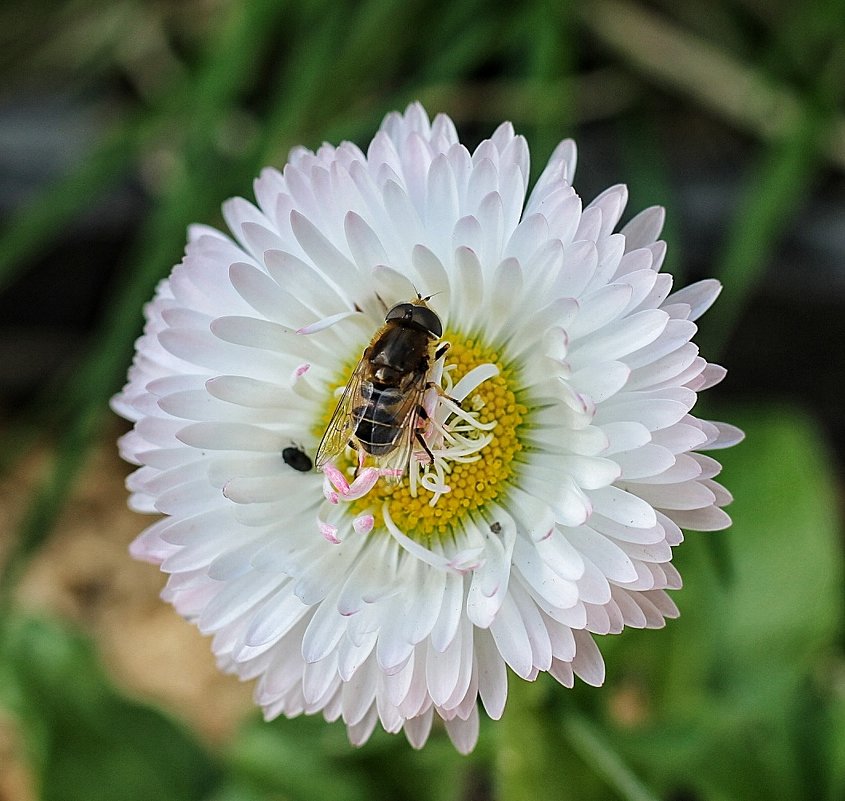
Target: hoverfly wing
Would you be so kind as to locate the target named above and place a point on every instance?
(342, 424)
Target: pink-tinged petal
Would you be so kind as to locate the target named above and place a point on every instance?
(588, 663)
(417, 729)
(727, 437)
(464, 733)
(710, 518)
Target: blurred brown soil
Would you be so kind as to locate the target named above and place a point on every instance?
(85, 574)
(16, 781)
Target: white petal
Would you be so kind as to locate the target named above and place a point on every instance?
(649, 460)
(603, 553)
(635, 333)
(545, 581)
(623, 507)
(323, 633)
(644, 228)
(450, 612)
(700, 296)
(492, 675)
(511, 637)
(417, 729)
(588, 663)
(464, 733)
(728, 436)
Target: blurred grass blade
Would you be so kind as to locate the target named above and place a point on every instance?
(587, 741)
(298, 88)
(649, 184)
(552, 57)
(546, 741)
(307, 758)
(526, 763)
(468, 34)
(837, 744)
(652, 45)
(297, 760)
(798, 128)
(774, 193)
(191, 194)
(726, 694)
(36, 226)
(355, 48)
(771, 194)
(33, 228)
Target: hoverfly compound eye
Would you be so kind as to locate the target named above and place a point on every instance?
(401, 311)
(416, 315)
(425, 318)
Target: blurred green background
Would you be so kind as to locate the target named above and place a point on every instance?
(122, 122)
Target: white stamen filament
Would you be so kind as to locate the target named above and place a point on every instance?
(453, 434)
(465, 560)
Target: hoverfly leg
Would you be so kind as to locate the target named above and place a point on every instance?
(424, 445)
(422, 414)
(437, 388)
(441, 351)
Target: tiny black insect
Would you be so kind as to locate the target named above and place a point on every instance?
(297, 459)
(496, 527)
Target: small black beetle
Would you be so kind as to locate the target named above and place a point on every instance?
(297, 459)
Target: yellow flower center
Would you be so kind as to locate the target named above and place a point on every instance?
(424, 515)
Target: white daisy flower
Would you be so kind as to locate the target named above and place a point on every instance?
(542, 490)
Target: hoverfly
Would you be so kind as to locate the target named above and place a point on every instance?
(379, 410)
